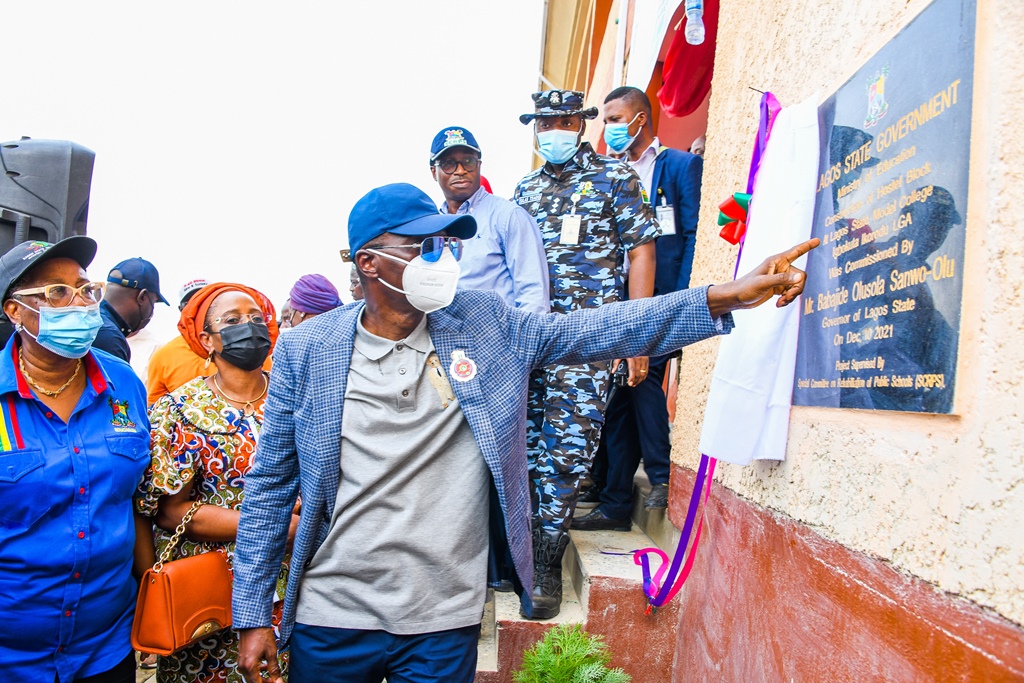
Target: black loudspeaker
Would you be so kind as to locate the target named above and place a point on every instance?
(44, 194)
(44, 190)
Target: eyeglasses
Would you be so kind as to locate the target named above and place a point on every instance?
(470, 164)
(58, 296)
(431, 248)
(235, 319)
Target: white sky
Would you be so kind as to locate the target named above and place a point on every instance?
(232, 138)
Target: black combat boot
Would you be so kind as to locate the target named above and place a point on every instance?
(548, 547)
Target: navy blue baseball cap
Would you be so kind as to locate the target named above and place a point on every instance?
(402, 209)
(137, 273)
(452, 136)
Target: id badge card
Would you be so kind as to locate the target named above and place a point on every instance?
(666, 219)
(571, 225)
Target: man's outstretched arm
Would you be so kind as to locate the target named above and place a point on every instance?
(653, 326)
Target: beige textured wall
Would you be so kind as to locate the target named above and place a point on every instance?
(942, 498)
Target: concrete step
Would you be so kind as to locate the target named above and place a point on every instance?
(510, 634)
(602, 591)
(643, 644)
(601, 588)
(487, 647)
(654, 523)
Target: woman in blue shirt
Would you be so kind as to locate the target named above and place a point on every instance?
(74, 443)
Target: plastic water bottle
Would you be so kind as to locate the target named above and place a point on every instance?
(694, 30)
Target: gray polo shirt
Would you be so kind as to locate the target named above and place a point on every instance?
(407, 547)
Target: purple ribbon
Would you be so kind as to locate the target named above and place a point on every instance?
(769, 108)
(659, 592)
(651, 585)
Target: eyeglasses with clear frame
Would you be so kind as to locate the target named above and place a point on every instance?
(59, 296)
(236, 319)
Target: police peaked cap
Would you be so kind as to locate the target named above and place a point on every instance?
(558, 103)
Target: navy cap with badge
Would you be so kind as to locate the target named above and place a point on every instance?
(21, 257)
(401, 209)
(558, 103)
(137, 273)
(452, 136)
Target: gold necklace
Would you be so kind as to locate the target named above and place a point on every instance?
(247, 408)
(52, 394)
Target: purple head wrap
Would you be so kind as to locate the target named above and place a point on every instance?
(314, 294)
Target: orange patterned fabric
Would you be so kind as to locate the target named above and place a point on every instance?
(197, 437)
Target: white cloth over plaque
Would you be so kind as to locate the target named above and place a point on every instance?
(747, 414)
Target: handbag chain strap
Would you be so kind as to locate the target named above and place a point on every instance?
(171, 544)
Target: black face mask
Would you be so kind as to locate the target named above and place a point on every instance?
(246, 345)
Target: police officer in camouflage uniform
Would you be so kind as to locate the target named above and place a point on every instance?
(592, 213)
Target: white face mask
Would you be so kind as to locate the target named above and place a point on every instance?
(428, 286)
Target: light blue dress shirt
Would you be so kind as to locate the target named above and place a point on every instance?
(507, 255)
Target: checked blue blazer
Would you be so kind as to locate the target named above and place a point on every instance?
(300, 444)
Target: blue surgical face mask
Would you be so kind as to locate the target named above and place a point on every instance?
(616, 135)
(68, 331)
(558, 146)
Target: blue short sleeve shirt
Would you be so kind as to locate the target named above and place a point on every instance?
(67, 595)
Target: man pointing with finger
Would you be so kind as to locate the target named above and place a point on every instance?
(394, 416)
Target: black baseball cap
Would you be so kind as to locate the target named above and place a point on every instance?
(24, 256)
(137, 273)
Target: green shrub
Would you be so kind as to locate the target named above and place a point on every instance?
(568, 654)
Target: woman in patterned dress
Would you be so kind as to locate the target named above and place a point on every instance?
(204, 437)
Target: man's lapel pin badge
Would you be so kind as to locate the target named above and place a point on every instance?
(463, 369)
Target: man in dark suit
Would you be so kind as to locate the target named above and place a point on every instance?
(636, 422)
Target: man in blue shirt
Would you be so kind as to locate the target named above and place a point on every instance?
(74, 443)
(507, 255)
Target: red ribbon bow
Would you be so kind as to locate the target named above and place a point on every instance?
(732, 216)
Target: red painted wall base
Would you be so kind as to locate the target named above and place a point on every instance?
(770, 600)
(640, 644)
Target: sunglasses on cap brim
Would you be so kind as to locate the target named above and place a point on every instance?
(431, 248)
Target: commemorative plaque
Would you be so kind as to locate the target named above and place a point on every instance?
(881, 309)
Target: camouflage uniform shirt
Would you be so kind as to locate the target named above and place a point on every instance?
(615, 219)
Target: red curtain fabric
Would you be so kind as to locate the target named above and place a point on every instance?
(688, 68)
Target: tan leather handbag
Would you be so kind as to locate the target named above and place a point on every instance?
(182, 601)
